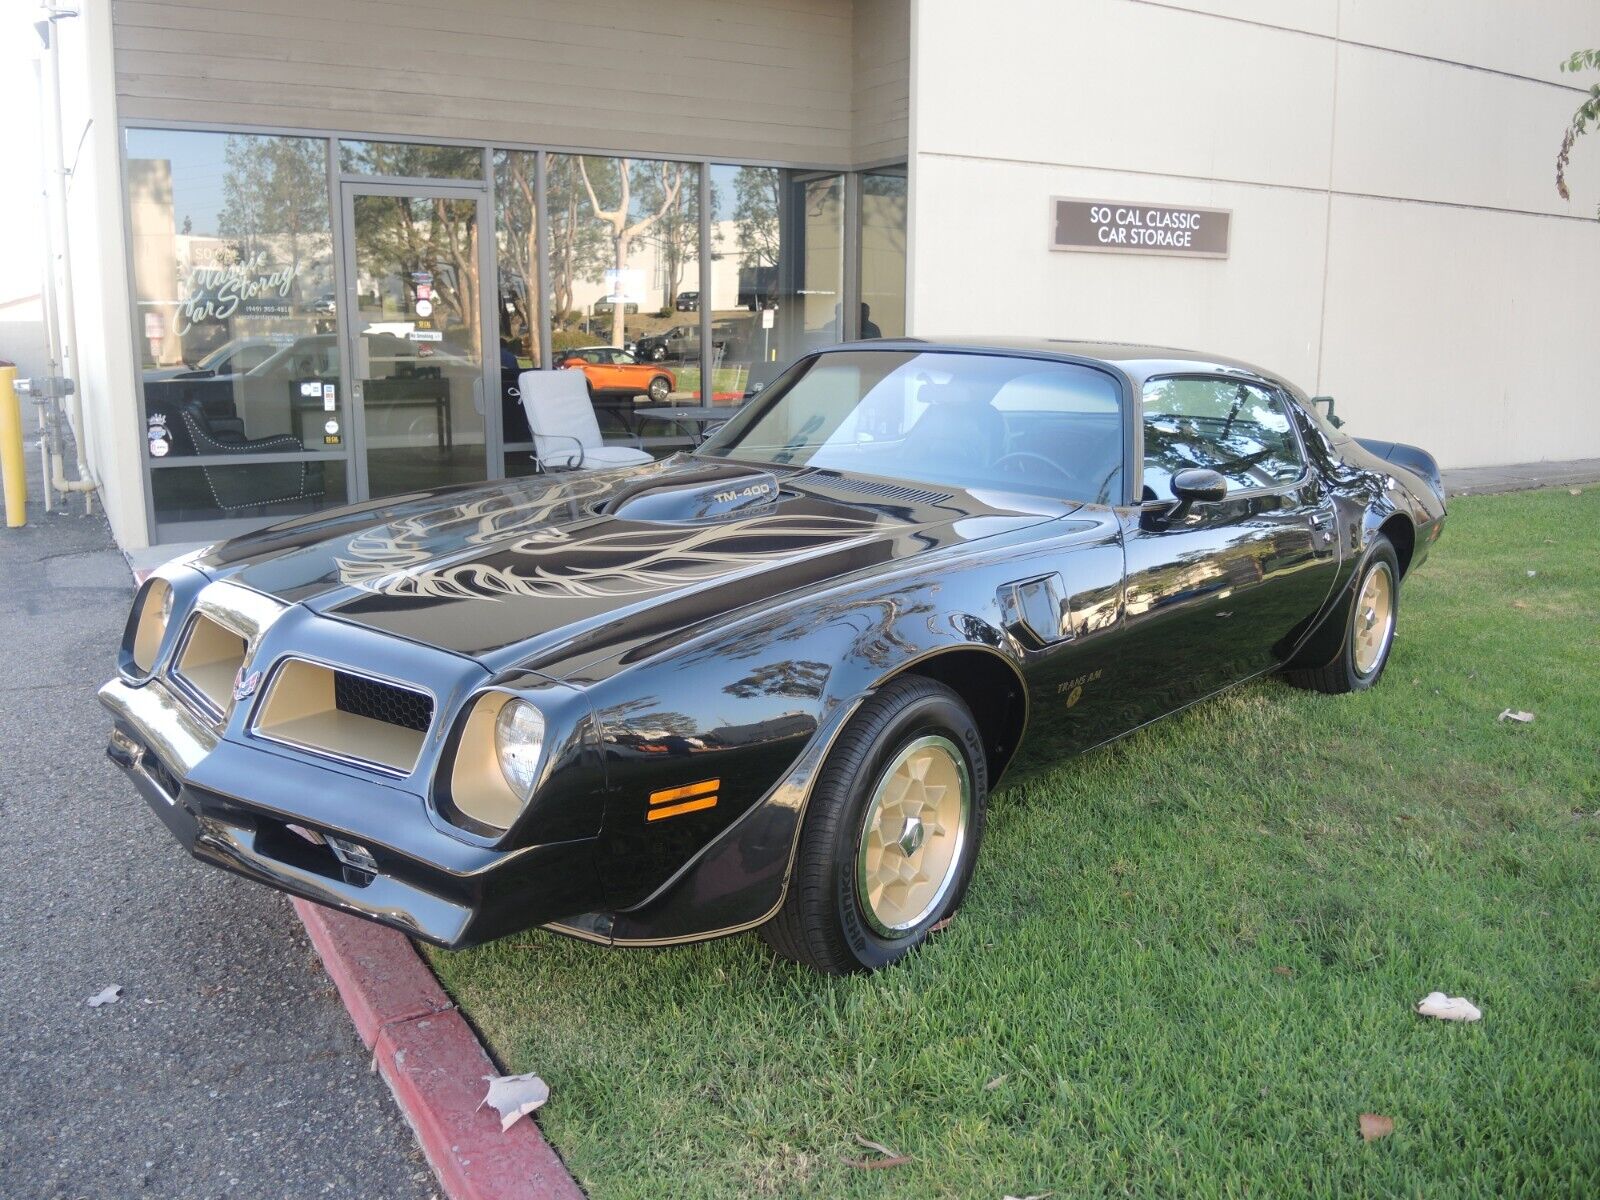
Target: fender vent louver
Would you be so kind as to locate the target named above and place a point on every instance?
(888, 491)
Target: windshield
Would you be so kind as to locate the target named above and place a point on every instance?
(971, 421)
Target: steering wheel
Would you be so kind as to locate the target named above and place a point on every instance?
(1027, 456)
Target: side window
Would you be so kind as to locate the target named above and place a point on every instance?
(1236, 429)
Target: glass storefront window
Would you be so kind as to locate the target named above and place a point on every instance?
(746, 242)
(624, 275)
(235, 311)
(812, 288)
(417, 345)
(777, 271)
(190, 500)
(410, 160)
(520, 313)
(883, 255)
(239, 320)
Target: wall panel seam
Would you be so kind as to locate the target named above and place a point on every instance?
(1304, 188)
(1335, 37)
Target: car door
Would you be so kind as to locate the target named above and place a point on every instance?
(631, 374)
(1217, 592)
(603, 372)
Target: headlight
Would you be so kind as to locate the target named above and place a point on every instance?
(150, 619)
(518, 740)
(496, 763)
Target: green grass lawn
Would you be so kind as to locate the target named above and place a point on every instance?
(1187, 962)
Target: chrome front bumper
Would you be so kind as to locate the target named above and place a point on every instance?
(427, 883)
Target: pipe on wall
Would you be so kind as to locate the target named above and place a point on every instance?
(61, 325)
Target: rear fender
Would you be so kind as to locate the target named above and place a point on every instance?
(1413, 460)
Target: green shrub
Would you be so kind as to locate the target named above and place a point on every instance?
(571, 339)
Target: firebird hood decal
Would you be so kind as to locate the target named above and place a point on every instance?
(622, 562)
(510, 572)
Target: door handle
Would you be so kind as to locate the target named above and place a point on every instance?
(1324, 527)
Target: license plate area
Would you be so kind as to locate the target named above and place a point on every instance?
(159, 775)
(307, 849)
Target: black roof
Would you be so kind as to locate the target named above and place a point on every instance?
(1138, 361)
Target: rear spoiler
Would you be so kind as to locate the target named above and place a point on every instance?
(1412, 458)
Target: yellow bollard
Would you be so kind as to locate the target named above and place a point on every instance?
(11, 466)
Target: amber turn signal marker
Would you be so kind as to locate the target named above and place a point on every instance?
(693, 797)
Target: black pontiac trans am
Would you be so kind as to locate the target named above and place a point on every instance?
(770, 684)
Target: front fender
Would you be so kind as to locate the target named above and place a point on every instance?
(748, 715)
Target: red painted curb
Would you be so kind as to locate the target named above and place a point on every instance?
(379, 976)
(433, 1063)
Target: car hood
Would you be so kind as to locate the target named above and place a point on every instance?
(550, 569)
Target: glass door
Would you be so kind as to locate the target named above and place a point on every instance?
(414, 272)
(811, 274)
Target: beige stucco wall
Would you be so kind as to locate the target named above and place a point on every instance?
(762, 80)
(1397, 240)
(105, 371)
(881, 46)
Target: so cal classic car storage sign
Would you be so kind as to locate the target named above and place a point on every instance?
(1122, 227)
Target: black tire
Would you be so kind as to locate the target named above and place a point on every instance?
(660, 388)
(1343, 673)
(822, 924)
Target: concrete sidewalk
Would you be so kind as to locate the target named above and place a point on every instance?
(229, 1067)
(1520, 477)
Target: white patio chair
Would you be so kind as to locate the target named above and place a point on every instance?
(566, 436)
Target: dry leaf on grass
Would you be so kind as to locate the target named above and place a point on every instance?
(1035, 1196)
(994, 1083)
(514, 1096)
(1375, 1126)
(891, 1158)
(1521, 718)
(1519, 604)
(109, 996)
(1284, 971)
(1574, 491)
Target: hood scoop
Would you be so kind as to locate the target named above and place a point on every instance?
(693, 496)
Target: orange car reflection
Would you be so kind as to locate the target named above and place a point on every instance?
(613, 372)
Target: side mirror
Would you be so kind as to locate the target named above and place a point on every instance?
(1196, 485)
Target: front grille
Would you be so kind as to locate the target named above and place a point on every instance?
(381, 701)
(326, 710)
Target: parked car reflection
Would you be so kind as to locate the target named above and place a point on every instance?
(233, 357)
(678, 343)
